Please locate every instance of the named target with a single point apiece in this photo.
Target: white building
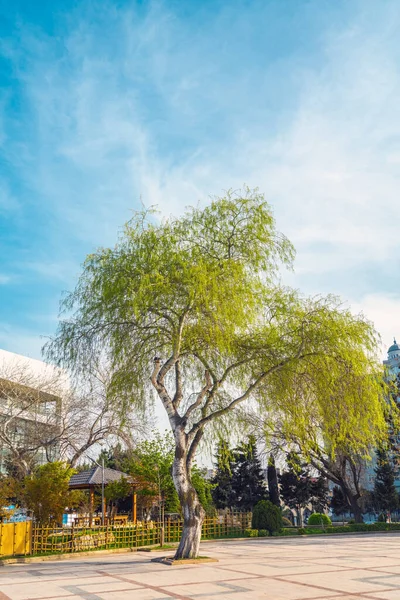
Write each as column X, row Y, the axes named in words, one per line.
column 30, row 409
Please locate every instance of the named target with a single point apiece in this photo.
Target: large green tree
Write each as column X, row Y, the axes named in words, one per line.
column 222, row 480
column 248, row 481
column 195, row 306
column 299, row 488
column 385, row 495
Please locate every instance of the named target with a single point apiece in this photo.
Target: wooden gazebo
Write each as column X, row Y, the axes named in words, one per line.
column 93, row 480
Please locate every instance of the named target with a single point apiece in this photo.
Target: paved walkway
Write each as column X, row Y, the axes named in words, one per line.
column 342, row 568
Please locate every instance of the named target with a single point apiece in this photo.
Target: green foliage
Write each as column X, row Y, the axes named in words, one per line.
column 339, row 503
column 46, row 492
column 301, row 531
column 286, row 522
column 120, row 489
column 251, row 532
column 202, row 295
column 9, row 491
column 222, row 480
column 248, row 484
column 204, row 489
column 385, row 495
column 299, row 488
column 364, row 527
column 319, row 519
column 267, row 516
column 204, row 290
column 150, row 465
column 263, row 533
column 273, row 487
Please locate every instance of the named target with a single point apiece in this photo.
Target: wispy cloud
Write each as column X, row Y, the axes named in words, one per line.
column 172, row 103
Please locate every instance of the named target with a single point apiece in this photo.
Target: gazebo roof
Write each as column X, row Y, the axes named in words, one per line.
column 93, row 477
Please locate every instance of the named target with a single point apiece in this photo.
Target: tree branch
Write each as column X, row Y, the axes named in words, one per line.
column 200, row 397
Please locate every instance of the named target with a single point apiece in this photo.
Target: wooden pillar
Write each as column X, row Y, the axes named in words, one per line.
column 105, row 511
column 134, row 507
column 91, row 505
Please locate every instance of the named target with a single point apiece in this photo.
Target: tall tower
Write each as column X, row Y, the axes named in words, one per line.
column 393, row 360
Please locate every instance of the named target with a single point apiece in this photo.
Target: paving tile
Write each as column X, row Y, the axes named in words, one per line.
column 360, row 580
column 283, row 569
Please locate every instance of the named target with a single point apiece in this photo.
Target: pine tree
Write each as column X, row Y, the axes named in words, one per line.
column 222, row 480
column 385, row 495
column 248, row 483
column 299, row 488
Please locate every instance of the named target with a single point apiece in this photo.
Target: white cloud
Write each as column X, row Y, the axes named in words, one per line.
column 383, row 311
column 330, row 169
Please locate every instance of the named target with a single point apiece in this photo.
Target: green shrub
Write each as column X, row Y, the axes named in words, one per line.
column 338, row 529
column 350, row 522
column 292, row 531
column 301, row 531
column 319, row 519
column 315, row 530
column 251, row 532
column 267, row 516
column 286, row 522
column 263, row 533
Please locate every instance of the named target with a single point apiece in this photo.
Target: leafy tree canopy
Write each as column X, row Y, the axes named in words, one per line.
column 46, row 492
column 150, row 464
column 202, row 290
column 195, row 305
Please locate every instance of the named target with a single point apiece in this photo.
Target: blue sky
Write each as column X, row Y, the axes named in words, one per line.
column 105, row 104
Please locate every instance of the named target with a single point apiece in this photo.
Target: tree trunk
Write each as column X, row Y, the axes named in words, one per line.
column 353, row 501
column 299, row 517
column 356, row 510
column 193, row 512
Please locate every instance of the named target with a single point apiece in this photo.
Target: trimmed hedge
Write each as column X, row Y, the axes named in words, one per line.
column 263, row 533
column 319, row 519
column 251, row 532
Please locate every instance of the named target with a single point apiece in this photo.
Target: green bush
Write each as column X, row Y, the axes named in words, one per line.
column 315, row 530
column 286, row 522
column 301, row 531
column 292, row 531
column 251, row 532
column 319, row 519
column 267, row 516
column 263, row 533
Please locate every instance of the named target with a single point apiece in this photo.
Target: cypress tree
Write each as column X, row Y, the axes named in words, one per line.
column 273, row 487
column 222, row 480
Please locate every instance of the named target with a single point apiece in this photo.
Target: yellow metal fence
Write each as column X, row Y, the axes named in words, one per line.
column 51, row 539
column 15, row 539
